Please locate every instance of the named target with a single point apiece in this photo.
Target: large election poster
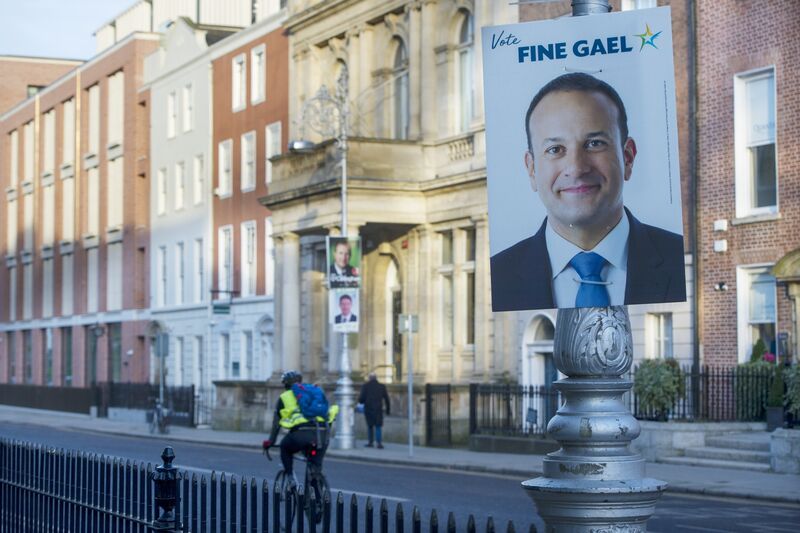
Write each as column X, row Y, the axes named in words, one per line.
column 582, row 162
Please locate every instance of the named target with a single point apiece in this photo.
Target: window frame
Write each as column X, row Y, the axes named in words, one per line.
column 239, row 82
column 225, row 155
column 247, row 154
column 744, row 274
column 258, row 74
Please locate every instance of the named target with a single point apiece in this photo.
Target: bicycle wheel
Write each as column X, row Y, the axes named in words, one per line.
column 287, row 488
column 318, row 486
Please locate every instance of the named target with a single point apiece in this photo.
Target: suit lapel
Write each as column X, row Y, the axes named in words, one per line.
column 534, row 275
column 647, row 281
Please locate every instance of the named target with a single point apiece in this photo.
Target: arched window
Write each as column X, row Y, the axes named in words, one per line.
column 466, row 85
column 400, row 74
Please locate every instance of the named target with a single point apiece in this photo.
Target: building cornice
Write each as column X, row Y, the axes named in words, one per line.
column 47, row 60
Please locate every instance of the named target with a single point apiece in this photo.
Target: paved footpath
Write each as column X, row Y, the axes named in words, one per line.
column 687, row 479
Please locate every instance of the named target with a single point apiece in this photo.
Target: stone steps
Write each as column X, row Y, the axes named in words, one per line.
column 728, row 454
column 759, row 444
column 715, row 463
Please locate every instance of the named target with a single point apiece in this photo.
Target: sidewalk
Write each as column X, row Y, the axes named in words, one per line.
column 686, row 479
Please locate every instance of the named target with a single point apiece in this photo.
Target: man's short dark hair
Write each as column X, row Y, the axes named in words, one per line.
column 578, row 81
column 345, row 297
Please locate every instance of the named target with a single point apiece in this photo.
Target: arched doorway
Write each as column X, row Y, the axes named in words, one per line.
column 539, row 372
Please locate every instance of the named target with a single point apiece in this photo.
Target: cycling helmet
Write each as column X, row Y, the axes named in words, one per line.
column 290, row 377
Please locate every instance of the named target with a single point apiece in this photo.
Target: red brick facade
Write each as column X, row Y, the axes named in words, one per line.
column 19, row 73
column 735, row 37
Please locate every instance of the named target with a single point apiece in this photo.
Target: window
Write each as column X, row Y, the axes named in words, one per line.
column 179, row 274
column 469, row 272
column 198, row 362
column 27, row 151
column 269, row 255
column 47, row 356
column 66, row 356
column 273, row 147
column 188, row 107
column 225, row 148
column 248, row 272
column 11, row 225
column 49, row 147
column 239, row 82
column 448, row 296
column 225, row 353
column 466, row 87
column 14, row 157
column 180, row 186
column 48, row 214
column 754, row 133
column 11, row 352
column 94, row 119
column 28, row 221
column 172, row 114
column 27, row 356
column 93, row 201
column 116, row 108
column 68, row 132
column 67, row 283
column 114, row 276
column 248, row 158
column 628, row 5
column 47, row 287
column 33, row 89
column 161, row 269
column 161, row 191
column 400, row 74
column 756, row 309
column 247, row 347
column 115, row 352
column 199, row 271
column 225, row 281
column 68, row 210
column 12, row 293
column 658, row 332
column 198, row 187
column 115, row 205
column 92, row 279
column 27, row 291
column 179, row 354
column 258, row 77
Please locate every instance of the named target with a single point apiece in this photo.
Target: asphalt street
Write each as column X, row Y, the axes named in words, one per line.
column 481, row 495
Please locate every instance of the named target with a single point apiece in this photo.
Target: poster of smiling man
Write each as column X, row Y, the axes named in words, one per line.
column 344, row 262
column 343, row 310
column 582, row 162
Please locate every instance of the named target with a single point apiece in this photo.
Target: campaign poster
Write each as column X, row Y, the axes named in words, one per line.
column 343, row 309
column 344, row 262
column 582, row 162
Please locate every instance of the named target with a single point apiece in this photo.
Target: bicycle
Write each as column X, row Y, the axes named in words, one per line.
column 159, row 419
column 315, row 483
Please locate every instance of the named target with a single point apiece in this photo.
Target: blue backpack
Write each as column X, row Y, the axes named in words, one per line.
column 311, row 399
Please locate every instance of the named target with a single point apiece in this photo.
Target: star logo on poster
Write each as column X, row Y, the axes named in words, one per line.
column 648, row 37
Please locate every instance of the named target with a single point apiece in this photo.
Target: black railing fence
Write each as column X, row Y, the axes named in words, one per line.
column 505, row 409
column 51, row 489
column 715, row 394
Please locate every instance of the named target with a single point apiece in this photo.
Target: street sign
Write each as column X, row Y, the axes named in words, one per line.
column 408, row 323
column 221, row 308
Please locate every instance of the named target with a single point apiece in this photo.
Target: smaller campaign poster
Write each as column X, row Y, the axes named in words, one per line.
column 343, row 306
column 344, row 262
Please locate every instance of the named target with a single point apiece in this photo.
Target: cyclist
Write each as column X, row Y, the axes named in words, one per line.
column 304, row 434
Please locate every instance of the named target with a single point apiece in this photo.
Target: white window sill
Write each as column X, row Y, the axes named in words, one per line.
column 752, row 219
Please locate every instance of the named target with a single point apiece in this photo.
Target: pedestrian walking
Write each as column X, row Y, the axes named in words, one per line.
column 373, row 395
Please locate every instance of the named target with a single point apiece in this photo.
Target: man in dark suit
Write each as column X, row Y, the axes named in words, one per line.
column 590, row 251
column 345, row 306
column 341, row 261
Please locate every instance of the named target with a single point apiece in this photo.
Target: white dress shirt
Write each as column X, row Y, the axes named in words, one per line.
column 566, row 281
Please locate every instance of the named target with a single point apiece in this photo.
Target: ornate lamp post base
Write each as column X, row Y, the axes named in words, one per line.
column 345, row 397
column 595, row 483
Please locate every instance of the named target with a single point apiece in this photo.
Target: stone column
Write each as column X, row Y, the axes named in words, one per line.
column 415, row 54
column 595, row 482
column 428, row 83
column 289, row 288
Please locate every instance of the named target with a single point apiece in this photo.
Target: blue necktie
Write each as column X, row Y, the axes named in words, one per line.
column 589, row 266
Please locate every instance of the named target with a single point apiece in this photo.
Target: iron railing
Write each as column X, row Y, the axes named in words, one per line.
column 52, row 489
column 511, row 410
column 716, row 394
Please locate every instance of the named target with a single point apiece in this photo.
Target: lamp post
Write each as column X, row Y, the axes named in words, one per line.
column 595, row 482
column 327, row 113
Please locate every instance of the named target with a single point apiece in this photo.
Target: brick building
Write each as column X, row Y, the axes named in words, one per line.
column 25, row 76
column 748, row 170
column 75, row 240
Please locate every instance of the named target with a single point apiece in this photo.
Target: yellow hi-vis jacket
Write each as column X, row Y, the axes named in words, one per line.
column 291, row 415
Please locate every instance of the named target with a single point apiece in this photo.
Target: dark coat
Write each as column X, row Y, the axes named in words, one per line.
column 373, row 393
column 521, row 277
